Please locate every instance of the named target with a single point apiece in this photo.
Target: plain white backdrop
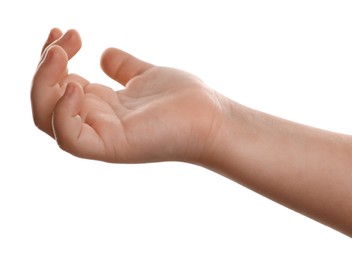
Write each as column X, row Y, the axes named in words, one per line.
column 292, row 59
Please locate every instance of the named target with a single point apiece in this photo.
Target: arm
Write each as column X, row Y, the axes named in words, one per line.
column 165, row 114
column 306, row 169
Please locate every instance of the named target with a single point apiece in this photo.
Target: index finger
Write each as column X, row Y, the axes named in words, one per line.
column 54, row 35
column 70, row 42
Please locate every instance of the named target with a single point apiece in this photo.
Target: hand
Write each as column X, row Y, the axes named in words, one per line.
column 166, row 114
column 162, row 114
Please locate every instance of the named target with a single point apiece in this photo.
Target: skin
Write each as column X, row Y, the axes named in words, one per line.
column 164, row 114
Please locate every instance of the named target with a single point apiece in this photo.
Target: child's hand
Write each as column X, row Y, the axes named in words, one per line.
column 162, row 114
column 166, row 114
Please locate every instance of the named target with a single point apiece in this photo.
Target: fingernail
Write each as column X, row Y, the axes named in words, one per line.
column 67, row 35
column 50, row 53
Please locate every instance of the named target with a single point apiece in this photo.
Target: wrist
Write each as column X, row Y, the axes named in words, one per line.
column 237, row 144
column 228, row 127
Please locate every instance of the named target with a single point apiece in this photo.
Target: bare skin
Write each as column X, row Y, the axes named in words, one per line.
column 164, row 114
column 136, row 124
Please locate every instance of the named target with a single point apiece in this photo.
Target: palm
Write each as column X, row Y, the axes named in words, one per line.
column 150, row 120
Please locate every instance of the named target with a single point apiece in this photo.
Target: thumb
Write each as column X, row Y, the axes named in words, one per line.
column 122, row 66
column 72, row 134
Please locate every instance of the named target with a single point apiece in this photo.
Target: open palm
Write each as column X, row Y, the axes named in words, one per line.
column 162, row 114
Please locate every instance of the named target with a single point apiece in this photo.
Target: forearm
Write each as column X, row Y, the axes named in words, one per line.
column 306, row 169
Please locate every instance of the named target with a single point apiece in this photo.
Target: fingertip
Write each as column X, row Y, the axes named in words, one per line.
column 105, row 57
column 56, row 53
column 72, row 42
column 73, row 32
column 72, row 35
column 54, row 62
column 51, row 67
column 55, row 33
column 109, row 50
column 122, row 66
column 73, row 91
column 109, row 61
column 69, row 90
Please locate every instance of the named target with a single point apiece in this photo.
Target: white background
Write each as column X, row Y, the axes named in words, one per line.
column 292, row 59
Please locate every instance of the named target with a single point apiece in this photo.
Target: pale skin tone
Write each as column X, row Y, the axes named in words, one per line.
column 164, row 114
